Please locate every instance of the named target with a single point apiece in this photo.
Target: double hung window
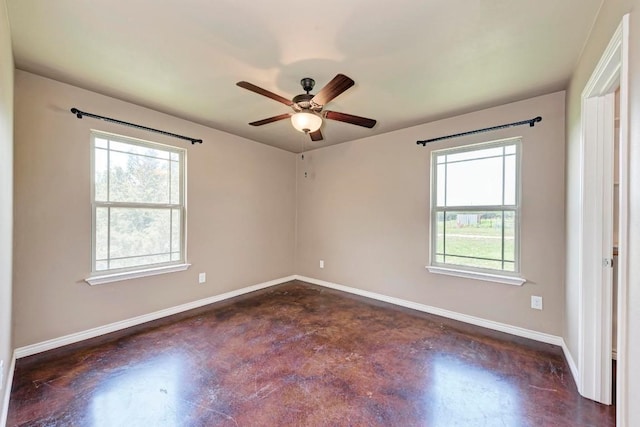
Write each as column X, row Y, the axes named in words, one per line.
column 476, row 207
column 138, row 204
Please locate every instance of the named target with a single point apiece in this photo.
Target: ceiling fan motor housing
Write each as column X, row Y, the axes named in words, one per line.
column 307, row 84
column 303, row 102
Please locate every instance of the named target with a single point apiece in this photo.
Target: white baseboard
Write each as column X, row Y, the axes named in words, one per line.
column 490, row 324
column 572, row 364
column 113, row 327
column 7, row 391
column 123, row 324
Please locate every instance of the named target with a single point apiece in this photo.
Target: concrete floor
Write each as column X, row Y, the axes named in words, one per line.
column 301, row 355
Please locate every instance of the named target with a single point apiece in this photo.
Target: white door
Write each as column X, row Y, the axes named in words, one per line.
column 596, row 226
column 597, row 246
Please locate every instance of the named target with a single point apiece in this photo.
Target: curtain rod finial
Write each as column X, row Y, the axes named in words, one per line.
column 77, row 112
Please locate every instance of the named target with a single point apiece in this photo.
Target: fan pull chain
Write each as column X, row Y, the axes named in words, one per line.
column 302, row 153
column 305, row 172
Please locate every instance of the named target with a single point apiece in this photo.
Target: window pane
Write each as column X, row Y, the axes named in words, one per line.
column 175, row 230
column 138, row 179
column 466, row 242
column 175, row 183
column 440, row 230
column 102, row 233
column 101, row 143
column 475, row 239
column 139, row 261
column 440, row 193
column 509, row 266
column 510, row 180
column 475, row 154
column 474, row 183
column 139, row 232
column 101, row 175
column 509, row 235
column 139, row 149
column 475, row 263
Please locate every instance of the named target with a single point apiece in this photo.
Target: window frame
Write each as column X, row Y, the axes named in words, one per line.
column 117, row 274
column 494, row 275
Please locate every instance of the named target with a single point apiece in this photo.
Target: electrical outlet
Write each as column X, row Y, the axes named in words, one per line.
column 536, row 302
column 202, row 277
column 321, row 263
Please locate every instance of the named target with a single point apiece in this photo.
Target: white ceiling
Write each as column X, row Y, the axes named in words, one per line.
column 413, row 61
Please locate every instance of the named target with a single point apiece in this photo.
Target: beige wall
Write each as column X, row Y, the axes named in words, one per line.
column 6, row 191
column 607, row 22
column 240, row 213
column 364, row 209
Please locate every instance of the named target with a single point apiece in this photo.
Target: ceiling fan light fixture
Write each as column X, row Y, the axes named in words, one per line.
column 306, row 122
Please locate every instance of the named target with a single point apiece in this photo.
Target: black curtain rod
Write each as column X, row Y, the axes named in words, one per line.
column 530, row 122
column 79, row 114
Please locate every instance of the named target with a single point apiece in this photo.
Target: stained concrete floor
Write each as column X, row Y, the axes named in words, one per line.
column 301, row 355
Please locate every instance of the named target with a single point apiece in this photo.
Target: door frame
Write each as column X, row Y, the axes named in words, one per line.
column 596, row 185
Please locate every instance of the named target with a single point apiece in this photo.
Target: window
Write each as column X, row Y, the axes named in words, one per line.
column 138, row 204
column 476, row 208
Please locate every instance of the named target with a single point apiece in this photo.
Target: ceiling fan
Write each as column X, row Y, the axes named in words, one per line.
column 307, row 108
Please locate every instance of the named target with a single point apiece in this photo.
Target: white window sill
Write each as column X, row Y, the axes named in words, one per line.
column 116, row 277
column 508, row 280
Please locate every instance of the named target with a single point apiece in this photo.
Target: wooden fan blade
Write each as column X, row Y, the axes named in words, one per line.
column 270, row 119
column 335, row 87
column 316, row 136
column 264, row 92
column 350, row 118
